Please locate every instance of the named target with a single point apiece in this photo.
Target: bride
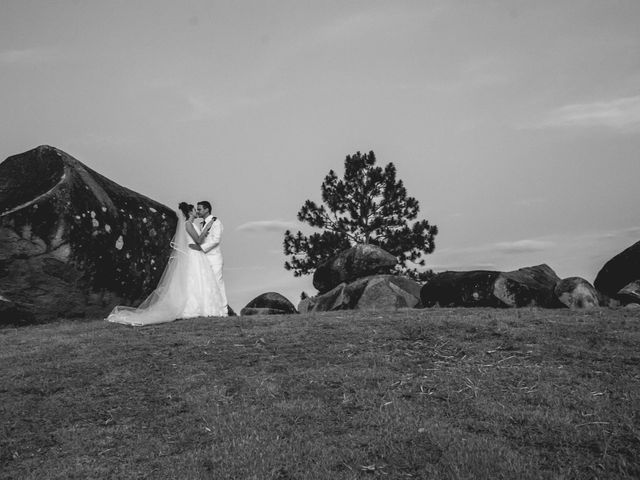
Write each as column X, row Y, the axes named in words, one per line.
column 188, row 287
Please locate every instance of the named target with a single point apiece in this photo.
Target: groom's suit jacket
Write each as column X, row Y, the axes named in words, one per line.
column 211, row 243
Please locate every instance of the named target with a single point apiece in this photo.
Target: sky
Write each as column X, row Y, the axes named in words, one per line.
column 515, row 124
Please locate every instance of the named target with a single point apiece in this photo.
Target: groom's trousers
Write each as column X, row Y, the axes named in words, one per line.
column 216, row 266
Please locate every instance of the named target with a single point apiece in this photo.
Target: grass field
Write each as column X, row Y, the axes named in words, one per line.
column 439, row 393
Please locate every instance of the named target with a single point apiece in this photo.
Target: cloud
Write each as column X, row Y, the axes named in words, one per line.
column 617, row 114
column 490, row 256
column 278, row 226
column 28, row 56
column 523, row 246
column 517, row 246
column 622, row 233
column 462, row 266
column 569, row 254
column 631, row 232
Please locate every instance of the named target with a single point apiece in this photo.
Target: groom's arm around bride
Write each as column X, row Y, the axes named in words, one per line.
column 211, row 244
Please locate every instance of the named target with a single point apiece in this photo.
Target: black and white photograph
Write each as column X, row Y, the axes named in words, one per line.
column 319, row 239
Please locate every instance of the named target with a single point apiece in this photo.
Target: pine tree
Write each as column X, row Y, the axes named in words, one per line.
column 367, row 206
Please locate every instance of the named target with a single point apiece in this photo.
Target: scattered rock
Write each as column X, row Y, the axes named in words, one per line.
column 620, row 271
column 461, row 289
column 270, row 303
column 389, row 292
column 351, row 264
column 530, row 286
column 630, row 293
column 72, row 242
column 576, row 292
column 375, row 292
column 13, row 314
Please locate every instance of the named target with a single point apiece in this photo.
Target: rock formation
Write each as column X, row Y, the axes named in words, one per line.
column 270, row 303
column 576, row 292
column 630, row 293
column 461, row 289
column 620, row 271
column 527, row 287
column 12, row 314
column 74, row 243
column 351, row 264
column 530, row 286
column 375, row 292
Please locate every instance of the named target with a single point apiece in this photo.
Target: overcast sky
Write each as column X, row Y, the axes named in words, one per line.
column 516, row 124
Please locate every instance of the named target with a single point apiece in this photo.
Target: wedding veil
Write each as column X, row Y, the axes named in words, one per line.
column 167, row 302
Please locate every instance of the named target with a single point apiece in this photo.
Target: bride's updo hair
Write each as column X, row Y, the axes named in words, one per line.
column 185, row 208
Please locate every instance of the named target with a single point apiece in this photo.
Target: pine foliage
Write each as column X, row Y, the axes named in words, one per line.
column 369, row 205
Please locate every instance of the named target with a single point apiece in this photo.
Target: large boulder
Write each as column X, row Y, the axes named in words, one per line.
column 620, row 271
column 351, row 264
column 461, row 289
column 375, row 292
column 74, row 243
column 269, row 303
column 576, row 292
column 13, row 314
column 630, row 293
column 530, row 286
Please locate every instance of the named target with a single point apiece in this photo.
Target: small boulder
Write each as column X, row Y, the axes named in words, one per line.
column 576, row 293
column 351, row 264
column 269, row 303
column 620, row 271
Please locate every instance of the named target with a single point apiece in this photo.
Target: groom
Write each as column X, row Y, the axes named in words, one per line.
column 211, row 244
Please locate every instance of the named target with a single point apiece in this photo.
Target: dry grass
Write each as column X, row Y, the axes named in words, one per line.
column 441, row 393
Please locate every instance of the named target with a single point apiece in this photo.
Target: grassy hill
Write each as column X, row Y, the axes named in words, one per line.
column 440, row 393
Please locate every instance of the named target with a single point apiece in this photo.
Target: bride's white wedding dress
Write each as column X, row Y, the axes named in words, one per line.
column 188, row 288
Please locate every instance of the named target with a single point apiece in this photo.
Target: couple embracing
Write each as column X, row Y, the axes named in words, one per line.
column 191, row 284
